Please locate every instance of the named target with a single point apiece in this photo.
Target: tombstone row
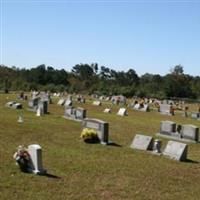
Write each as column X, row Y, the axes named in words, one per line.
column 181, row 132
column 174, row 150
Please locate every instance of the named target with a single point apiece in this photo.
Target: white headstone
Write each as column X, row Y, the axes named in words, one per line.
column 61, row 102
column 142, row 142
column 68, row 102
column 176, row 150
column 96, row 103
column 35, row 152
column 122, row 112
column 39, row 111
column 107, row 110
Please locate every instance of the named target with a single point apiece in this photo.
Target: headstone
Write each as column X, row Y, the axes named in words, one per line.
column 68, row 102
column 35, row 152
column 166, row 109
column 17, row 106
column 107, row 110
column 44, row 106
column 100, row 126
column 77, row 114
column 176, row 150
column 190, row 132
column 61, row 102
column 96, row 103
column 195, row 115
column 33, row 103
column 122, row 112
column 167, row 127
column 142, row 142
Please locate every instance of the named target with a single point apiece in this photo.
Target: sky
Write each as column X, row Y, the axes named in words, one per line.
column 147, row 36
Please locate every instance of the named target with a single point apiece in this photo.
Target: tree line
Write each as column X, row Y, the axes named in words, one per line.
column 91, row 78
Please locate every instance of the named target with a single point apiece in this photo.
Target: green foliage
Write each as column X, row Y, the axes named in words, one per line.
column 89, row 78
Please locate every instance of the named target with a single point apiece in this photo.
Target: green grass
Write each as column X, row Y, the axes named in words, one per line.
column 93, row 171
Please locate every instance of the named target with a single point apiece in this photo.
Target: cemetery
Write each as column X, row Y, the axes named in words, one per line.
column 66, row 152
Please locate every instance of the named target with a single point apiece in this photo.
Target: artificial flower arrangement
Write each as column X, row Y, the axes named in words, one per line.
column 89, row 135
column 22, row 158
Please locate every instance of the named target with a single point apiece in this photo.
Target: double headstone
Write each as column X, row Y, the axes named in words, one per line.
column 180, row 132
column 68, row 102
column 14, row 105
column 144, row 107
column 77, row 114
column 100, row 126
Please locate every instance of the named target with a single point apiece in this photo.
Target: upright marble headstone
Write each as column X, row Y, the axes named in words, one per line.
column 189, row 131
column 142, row 142
column 35, row 152
column 100, row 126
column 122, row 112
column 176, row 150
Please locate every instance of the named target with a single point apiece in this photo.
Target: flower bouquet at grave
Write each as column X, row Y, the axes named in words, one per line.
column 89, row 135
column 22, row 158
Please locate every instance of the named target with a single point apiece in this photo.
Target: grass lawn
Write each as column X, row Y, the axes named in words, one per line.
column 93, row 171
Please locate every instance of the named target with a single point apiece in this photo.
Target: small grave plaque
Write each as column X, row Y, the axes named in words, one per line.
column 176, row 150
column 68, row 102
column 142, row 142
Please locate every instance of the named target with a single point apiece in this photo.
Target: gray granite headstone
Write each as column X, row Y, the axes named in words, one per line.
column 100, row 126
column 165, row 109
column 167, row 127
column 142, row 142
column 176, row 150
column 190, row 132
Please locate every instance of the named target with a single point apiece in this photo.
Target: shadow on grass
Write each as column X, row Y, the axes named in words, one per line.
column 50, row 176
column 191, row 161
column 114, row 144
